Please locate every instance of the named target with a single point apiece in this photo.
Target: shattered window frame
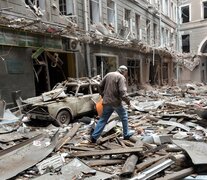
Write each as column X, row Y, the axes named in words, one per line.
column 185, row 16
column 37, row 3
column 105, row 65
column 34, row 2
column 127, row 18
column 133, row 65
column 95, row 11
column 68, row 9
column 111, row 13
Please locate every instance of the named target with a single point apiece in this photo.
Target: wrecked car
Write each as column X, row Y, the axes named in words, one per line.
column 67, row 100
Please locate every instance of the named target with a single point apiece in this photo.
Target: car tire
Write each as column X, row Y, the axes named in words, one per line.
column 63, row 118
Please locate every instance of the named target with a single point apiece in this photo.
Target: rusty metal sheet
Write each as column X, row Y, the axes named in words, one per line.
column 24, row 155
column 196, row 150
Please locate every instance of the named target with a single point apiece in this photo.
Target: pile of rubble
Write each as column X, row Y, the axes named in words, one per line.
column 169, row 142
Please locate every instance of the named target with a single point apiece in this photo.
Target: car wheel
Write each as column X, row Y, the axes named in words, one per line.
column 63, row 117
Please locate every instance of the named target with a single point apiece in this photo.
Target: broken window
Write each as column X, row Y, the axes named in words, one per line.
column 95, row 88
column 104, row 64
column 94, row 11
column 185, row 14
column 111, row 13
column 186, row 43
column 127, row 18
column 148, row 31
column 84, row 89
column 137, row 22
column 205, row 9
column 67, row 7
column 32, row 2
column 155, row 34
column 36, row 6
column 133, row 71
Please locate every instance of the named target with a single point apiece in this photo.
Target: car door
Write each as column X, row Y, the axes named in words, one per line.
column 84, row 99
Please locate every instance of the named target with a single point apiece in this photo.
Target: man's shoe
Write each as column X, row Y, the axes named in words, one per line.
column 131, row 133
column 93, row 140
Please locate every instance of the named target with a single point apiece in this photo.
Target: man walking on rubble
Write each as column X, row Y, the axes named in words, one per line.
column 113, row 90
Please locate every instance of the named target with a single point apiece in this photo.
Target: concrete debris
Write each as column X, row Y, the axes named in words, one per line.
column 169, row 141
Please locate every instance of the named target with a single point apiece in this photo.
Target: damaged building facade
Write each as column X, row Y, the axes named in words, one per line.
column 193, row 39
column 44, row 42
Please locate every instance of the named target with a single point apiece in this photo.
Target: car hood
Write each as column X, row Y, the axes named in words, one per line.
column 46, row 97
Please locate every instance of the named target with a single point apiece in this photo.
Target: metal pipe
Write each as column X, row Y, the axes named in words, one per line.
column 87, row 48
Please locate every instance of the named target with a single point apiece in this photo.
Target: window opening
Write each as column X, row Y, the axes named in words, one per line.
column 94, row 11
column 137, row 21
column 148, row 30
column 111, row 12
column 186, row 43
column 155, row 33
column 185, row 15
column 104, row 64
column 133, row 72
column 205, row 9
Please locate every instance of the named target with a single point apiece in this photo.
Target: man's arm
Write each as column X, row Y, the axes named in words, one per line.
column 123, row 90
column 101, row 87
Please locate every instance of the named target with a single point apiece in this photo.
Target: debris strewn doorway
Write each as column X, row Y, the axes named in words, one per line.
column 51, row 68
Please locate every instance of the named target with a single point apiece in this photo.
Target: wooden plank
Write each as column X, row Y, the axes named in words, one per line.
column 107, row 138
column 149, row 162
column 68, row 136
column 80, row 148
column 101, row 162
column 130, row 164
column 107, row 152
